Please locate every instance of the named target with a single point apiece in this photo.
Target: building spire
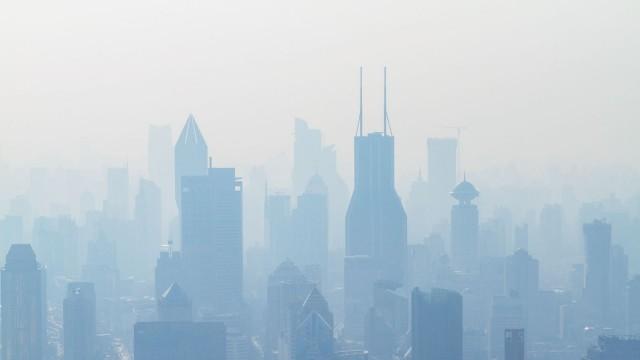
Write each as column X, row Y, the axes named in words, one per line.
column 359, row 130
column 386, row 114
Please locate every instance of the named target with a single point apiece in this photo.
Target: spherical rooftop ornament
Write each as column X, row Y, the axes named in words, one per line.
column 465, row 191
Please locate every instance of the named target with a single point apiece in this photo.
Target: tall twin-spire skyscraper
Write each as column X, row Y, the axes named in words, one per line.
column 376, row 223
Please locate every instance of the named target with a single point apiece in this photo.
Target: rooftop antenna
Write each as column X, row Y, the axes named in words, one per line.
column 359, row 130
column 210, row 162
column 386, row 114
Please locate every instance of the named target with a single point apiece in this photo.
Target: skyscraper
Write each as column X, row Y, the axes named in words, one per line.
column 311, row 227
column 464, row 225
column 171, row 340
column 311, row 332
column 506, row 313
column 436, row 325
column 376, row 223
column 633, row 310
column 418, row 211
column 79, row 313
column 521, row 237
column 160, row 156
column 442, row 175
column 116, row 206
column 307, row 154
column 311, row 157
column 169, row 270
column 514, row 344
column 190, row 155
column 278, row 230
column 597, row 250
column 24, row 309
column 522, row 276
column 212, row 239
column 148, row 227
column 287, row 288
column 175, row 305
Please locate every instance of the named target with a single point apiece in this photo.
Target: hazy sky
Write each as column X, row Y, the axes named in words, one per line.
column 535, row 83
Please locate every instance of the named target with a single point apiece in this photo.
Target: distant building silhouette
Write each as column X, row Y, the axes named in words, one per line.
column 436, row 325
column 148, row 228
column 55, row 239
column 618, row 278
column 278, row 228
column 116, row 206
column 615, row 348
column 633, row 310
column 597, row 250
column 514, row 348
column 376, row 223
column 442, row 154
column 160, row 157
column 172, row 340
column 464, row 225
column 190, row 155
column 311, row 157
column 311, row 228
column 418, row 211
column 522, row 273
column 212, row 239
column 79, row 314
column 24, row 305
column 521, row 237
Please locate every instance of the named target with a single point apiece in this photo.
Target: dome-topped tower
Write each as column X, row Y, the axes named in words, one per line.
column 465, row 192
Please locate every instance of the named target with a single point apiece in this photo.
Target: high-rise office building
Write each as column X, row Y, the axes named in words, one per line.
column 11, row 232
column 418, row 211
column 287, row 288
column 175, row 305
column 311, row 227
column 212, row 239
column 190, row 155
column 464, row 225
column 618, row 280
column 597, row 250
column 522, row 276
column 311, row 157
column 615, row 348
column 172, row 340
column 56, row 241
column 521, row 237
column 514, row 344
column 307, row 154
column 551, row 228
column 148, row 228
column 633, row 310
column 311, row 332
column 169, row 270
column 79, row 322
column 376, row 223
column 278, row 228
column 442, row 166
column 24, row 308
column 436, row 325
column 160, row 157
column 116, row 205
column 507, row 312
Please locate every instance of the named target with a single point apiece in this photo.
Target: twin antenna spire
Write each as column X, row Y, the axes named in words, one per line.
column 386, row 124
